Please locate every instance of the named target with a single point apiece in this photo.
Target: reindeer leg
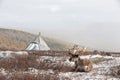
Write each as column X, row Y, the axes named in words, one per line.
column 76, row 69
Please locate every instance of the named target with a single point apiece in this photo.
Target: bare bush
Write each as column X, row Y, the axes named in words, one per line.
column 48, row 53
column 54, row 66
column 20, row 62
column 23, row 62
column 2, row 77
column 28, row 76
column 115, row 71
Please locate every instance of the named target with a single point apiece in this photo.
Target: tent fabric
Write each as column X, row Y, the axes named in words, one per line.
column 38, row 44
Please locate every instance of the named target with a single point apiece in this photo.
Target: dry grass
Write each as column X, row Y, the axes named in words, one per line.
column 18, row 67
column 28, row 76
column 115, row 71
column 11, row 43
column 2, row 77
column 49, row 53
column 23, row 62
column 18, row 62
column 55, row 66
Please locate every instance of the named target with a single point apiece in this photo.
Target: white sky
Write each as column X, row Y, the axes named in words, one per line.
column 93, row 23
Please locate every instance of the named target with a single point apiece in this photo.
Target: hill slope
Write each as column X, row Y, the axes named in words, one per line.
column 18, row 40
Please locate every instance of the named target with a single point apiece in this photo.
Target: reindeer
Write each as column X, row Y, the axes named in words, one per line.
column 82, row 65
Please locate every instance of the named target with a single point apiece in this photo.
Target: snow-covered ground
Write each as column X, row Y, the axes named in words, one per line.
column 10, row 53
column 96, row 56
column 101, row 70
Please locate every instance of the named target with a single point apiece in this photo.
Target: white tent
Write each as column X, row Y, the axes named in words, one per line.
column 38, row 44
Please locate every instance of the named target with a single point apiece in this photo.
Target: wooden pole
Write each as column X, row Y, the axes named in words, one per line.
column 39, row 39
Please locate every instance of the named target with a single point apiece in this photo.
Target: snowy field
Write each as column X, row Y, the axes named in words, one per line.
column 101, row 70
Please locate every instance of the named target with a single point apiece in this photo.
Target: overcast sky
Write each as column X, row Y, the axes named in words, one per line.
column 93, row 23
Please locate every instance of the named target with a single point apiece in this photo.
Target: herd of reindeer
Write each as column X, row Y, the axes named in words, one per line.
column 81, row 65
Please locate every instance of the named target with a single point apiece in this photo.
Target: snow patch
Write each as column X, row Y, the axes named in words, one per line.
column 10, row 53
column 3, row 71
column 96, row 56
column 68, row 63
column 36, row 71
column 84, row 76
column 91, row 56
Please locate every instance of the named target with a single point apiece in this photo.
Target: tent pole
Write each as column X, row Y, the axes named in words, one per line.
column 39, row 39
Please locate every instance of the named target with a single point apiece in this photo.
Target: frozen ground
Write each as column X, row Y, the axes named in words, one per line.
column 101, row 70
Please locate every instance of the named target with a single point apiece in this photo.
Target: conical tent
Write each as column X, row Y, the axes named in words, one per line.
column 38, row 44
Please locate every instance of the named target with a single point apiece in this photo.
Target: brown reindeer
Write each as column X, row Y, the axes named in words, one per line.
column 84, row 65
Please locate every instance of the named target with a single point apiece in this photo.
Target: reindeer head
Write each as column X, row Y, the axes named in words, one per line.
column 74, row 58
